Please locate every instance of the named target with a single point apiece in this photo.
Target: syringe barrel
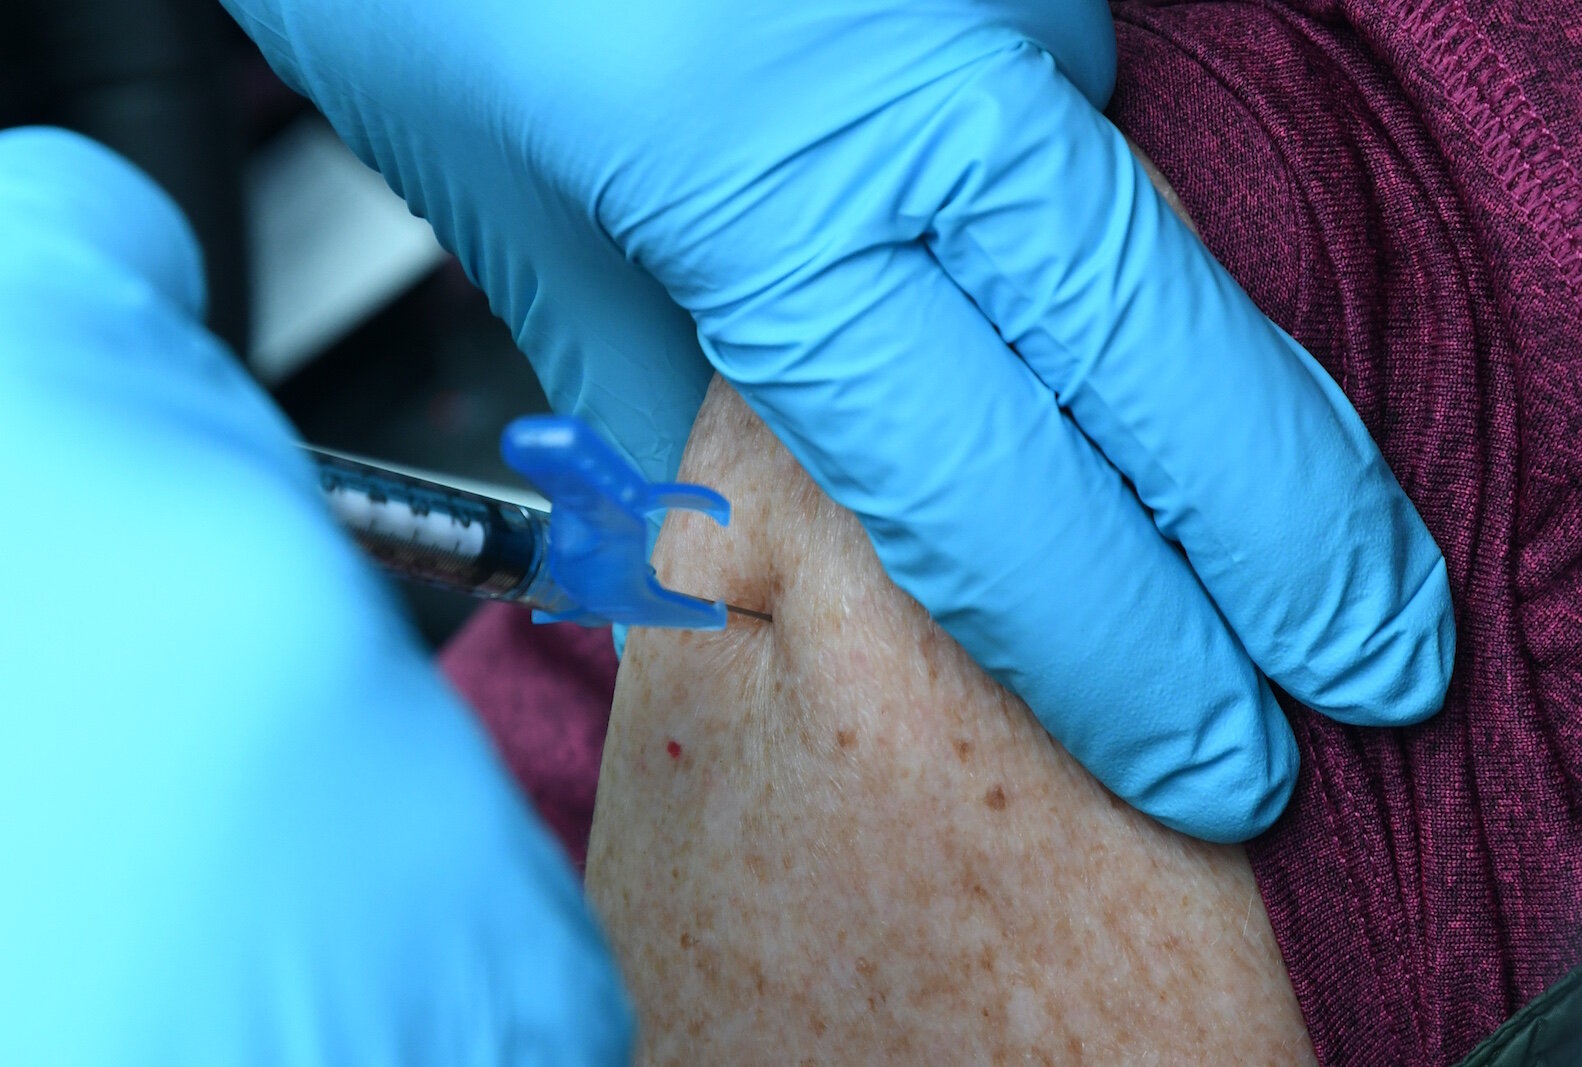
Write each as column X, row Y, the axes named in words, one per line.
column 440, row 535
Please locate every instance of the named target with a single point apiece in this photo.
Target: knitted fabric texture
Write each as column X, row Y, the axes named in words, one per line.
column 1396, row 184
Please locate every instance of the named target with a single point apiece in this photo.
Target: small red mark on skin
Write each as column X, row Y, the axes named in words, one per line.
column 674, row 748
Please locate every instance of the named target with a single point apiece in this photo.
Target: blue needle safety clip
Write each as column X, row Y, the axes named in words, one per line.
column 598, row 526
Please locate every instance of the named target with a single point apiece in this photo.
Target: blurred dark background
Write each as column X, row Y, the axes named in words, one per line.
column 341, row 303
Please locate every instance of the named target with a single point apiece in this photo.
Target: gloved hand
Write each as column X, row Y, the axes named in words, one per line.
column 907, row 235
column 242, row 819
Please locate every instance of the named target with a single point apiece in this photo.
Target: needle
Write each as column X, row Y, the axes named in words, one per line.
column 749, row 612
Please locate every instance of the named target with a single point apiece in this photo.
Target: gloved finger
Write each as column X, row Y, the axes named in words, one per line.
column 251, row 823
column 1078, row 34
column 1245, row 451
column 607, row 342
column 987, row 504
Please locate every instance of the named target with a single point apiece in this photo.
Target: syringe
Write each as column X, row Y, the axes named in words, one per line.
column 584, row 560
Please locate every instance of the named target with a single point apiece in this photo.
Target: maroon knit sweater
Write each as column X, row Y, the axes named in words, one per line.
column 1397, row 185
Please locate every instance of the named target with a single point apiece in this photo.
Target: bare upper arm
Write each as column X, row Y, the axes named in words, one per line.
column 833, row 839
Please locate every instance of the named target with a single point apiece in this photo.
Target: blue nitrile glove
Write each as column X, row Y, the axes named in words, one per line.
column 858, row 206
column 242, row 819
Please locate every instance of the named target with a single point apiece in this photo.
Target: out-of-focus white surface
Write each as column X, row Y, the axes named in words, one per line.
column 330, row 246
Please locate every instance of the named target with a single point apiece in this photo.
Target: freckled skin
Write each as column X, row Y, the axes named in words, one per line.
column 872, row 853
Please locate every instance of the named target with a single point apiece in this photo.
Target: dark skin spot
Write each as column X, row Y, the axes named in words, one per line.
column 687, row 940
column 866, row 967
column 933, row 649
column 819, row 1025
column 845, row 738
column 995, row 799
column 963, row 749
